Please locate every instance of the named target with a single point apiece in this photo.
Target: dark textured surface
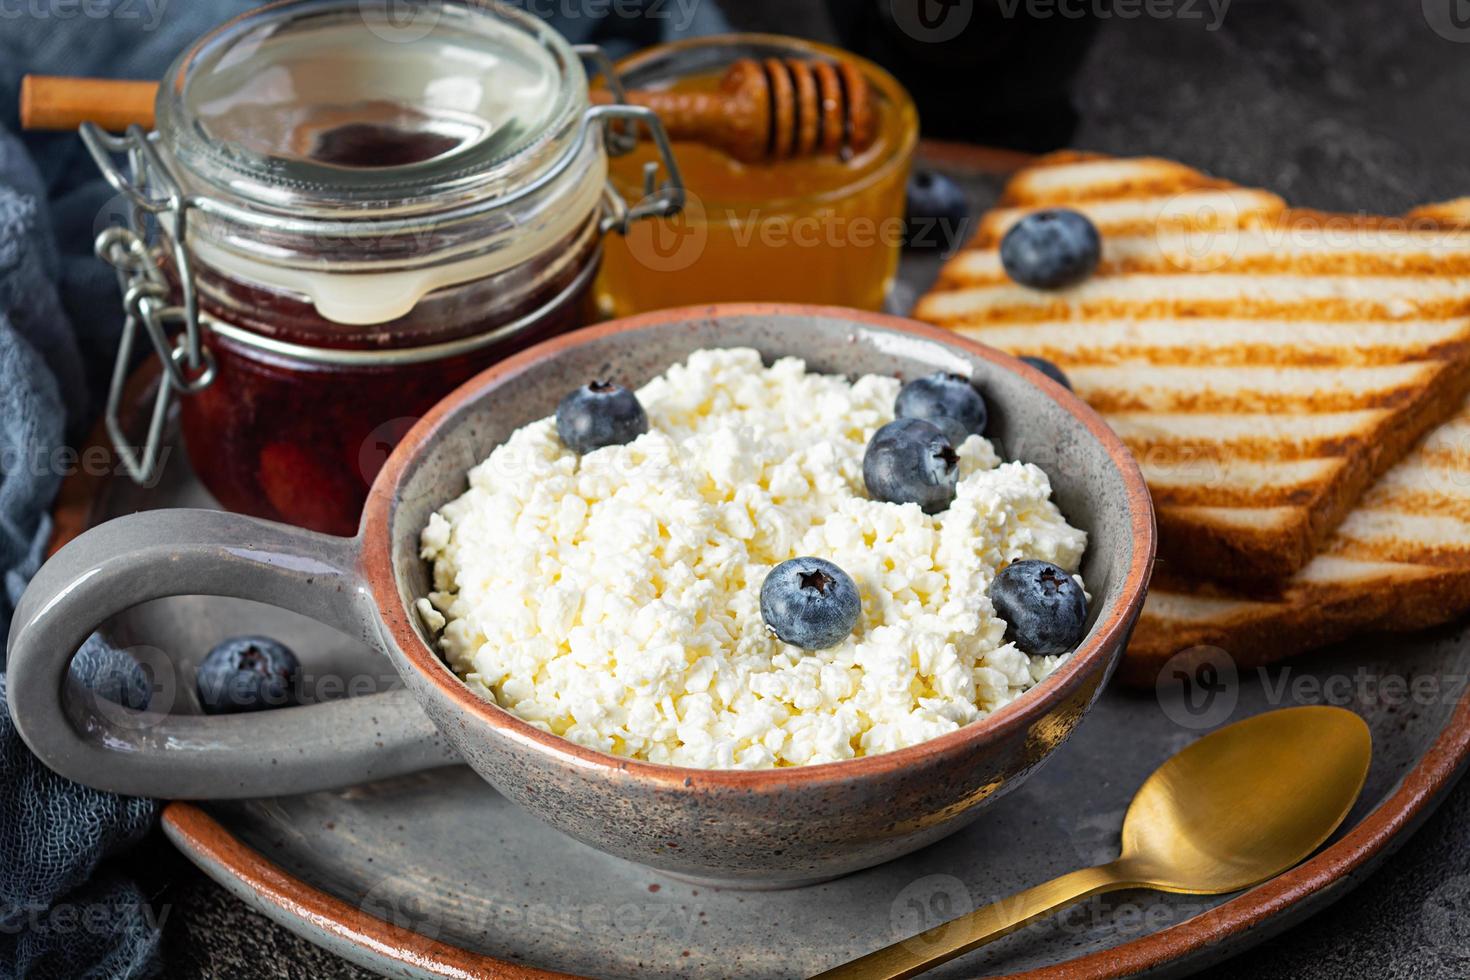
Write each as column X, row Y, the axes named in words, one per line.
column 1350, row 105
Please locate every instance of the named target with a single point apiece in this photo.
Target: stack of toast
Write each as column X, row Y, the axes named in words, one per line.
column 1293, row 384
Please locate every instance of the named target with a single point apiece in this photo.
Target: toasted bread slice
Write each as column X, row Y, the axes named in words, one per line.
column 1399, row 561
column 1265, row 364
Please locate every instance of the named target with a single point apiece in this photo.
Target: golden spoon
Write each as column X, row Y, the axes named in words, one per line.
column 1236, row 807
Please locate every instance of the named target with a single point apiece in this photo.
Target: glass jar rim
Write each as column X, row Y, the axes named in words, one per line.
column 881, row 79
column 243, row 177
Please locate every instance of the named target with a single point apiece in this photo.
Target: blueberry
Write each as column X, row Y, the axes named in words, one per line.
column 1050, row 370
column 247, row 673
column 1044, row 607
column 599, row 414
column 909, row 461
column 810, row 603
column 936, row 210
column 947, row 400
column 1050, row 249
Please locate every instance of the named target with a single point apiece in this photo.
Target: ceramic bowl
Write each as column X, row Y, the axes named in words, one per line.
column 762, row 828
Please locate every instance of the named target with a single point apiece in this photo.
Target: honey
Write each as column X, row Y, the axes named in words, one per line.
column 819, row 229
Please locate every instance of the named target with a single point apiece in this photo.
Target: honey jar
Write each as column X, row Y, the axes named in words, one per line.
column 342, row 215
column 817, row 228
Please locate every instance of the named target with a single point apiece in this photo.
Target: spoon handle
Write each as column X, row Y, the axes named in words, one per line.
column 912, row 956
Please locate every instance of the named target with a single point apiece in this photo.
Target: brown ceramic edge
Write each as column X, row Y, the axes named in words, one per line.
column 991, row 161
column 1418, row 791
column 1107, row 634
column 197, row 833
column 207, row 840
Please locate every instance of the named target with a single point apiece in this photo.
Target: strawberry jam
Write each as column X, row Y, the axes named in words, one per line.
column 281, row 437
column 348, row 217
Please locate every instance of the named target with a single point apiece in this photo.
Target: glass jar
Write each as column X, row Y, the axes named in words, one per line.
column 343, row 214
column 816, row 230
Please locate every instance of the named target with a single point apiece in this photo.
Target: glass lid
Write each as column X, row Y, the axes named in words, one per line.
column 357, row 103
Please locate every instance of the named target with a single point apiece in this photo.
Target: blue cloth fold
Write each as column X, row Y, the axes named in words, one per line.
column 55, row 921
column 63, row 915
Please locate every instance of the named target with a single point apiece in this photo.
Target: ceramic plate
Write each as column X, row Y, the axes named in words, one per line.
column 437, row 875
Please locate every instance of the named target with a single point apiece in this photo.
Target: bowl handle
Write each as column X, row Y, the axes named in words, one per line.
column 154, row 554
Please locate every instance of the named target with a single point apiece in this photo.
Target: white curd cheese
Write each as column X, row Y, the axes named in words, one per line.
column 614, row 598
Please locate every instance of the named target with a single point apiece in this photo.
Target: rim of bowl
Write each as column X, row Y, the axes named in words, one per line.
column 1108, row 636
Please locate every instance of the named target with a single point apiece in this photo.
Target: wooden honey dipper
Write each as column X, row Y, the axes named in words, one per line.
column 775, row 109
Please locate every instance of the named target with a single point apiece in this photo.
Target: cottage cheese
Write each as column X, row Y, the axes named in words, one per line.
column 614, row 599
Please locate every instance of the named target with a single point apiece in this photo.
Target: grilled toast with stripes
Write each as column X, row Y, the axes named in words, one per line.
column 1265, row 364
column 1399, row 561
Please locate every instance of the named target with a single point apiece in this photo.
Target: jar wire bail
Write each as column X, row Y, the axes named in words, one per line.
column 157, row 216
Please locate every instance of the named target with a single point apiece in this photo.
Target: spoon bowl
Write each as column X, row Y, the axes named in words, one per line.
column 1234, row 808
column 1247, row 802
